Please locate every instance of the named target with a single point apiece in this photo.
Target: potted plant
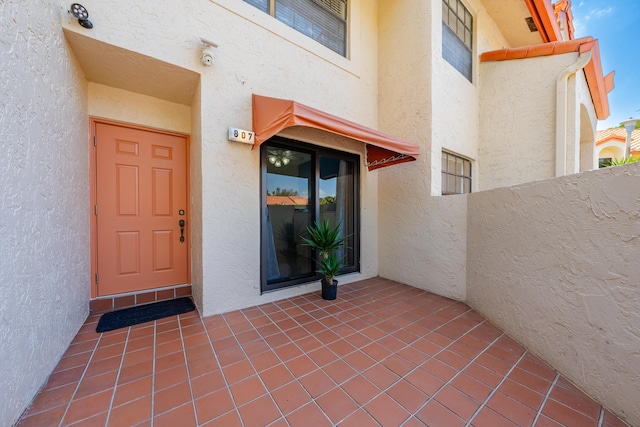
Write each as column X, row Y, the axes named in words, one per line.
column 326, row 240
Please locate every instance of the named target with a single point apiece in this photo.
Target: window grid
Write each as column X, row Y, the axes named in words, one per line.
column 456, row 174
column 325, row 21
column 457, row 36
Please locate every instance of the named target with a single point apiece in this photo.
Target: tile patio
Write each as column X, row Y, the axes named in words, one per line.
column 382, row 354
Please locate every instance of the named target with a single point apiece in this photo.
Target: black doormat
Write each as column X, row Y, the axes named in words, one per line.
column 144, row 313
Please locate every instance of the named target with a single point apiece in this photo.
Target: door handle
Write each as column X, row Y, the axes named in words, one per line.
column 181, row 223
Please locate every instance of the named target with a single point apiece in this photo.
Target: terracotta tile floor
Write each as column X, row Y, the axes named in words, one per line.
column 382, row 354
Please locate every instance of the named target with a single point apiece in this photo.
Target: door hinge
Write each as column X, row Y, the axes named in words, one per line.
column 95, row 209
column 96, row 277
column 95, row 142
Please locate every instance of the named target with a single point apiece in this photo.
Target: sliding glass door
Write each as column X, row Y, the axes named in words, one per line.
column 301, row 183
column 337, row 200
column 289, row 210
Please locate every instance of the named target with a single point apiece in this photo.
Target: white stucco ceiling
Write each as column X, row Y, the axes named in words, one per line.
column 124, row 69
column 510, row 17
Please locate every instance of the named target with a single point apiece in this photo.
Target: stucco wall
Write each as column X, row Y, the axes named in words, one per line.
column 587, row 135
column 555, row 265
column 427, row 101
column 269, row 59
column 458, row 108
column 457, row 103
column 275, row 61
column 44, row 250
column 581, row 126
column 195, row 181
column 124, row 106
column 518, row 120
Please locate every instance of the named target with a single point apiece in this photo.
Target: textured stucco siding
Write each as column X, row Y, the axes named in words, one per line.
column 44, row 220
column 129, row 107
column 195, row 185
column 394, row 80
column 458, row 108
column 585, row 124
column 269, row 59
column 518, row 120
column 427, row 101
column 555, row 265
column 274, row 61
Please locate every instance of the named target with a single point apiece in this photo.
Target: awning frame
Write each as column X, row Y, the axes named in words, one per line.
column 272, row 115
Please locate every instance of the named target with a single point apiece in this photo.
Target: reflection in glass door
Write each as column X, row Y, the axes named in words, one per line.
column 336, row 198
column 302, row 183
column 289, row 184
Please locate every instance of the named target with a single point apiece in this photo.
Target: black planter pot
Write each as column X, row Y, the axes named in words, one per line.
column 329, row 290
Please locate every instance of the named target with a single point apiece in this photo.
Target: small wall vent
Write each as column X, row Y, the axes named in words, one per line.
column 531, row 24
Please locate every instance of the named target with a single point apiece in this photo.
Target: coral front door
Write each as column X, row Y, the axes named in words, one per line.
column 141, row 204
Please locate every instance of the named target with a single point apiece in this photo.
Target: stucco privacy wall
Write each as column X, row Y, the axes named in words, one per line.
column 555, row 265
column 425, row 100
column 517, row 131
column 44, row 250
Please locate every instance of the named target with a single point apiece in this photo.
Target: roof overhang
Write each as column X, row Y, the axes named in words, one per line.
column 511, row 19
column 553, row 21
column 612, row 138
column 271, row 115
column 618, row 136
column 599, row 85
column 124, row 69
column 544, row 16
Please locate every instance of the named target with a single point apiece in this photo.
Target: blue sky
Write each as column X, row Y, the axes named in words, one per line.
column 616, row 25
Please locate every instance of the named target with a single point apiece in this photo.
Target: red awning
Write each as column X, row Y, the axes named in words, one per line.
column 271, row 115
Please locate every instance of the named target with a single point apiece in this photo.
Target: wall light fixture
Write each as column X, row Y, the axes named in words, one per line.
column 80, row 12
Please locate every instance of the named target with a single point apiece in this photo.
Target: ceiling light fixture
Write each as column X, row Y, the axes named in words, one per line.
column 279, row 158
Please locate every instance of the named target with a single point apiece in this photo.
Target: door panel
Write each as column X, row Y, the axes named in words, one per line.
column 289, row 184
column 302, row 183
column 141, row 186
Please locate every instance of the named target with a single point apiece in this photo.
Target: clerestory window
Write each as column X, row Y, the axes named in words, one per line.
column 325, row 21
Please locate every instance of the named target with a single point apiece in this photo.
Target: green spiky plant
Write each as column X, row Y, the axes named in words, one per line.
column 623, row 161
column 326, row 240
